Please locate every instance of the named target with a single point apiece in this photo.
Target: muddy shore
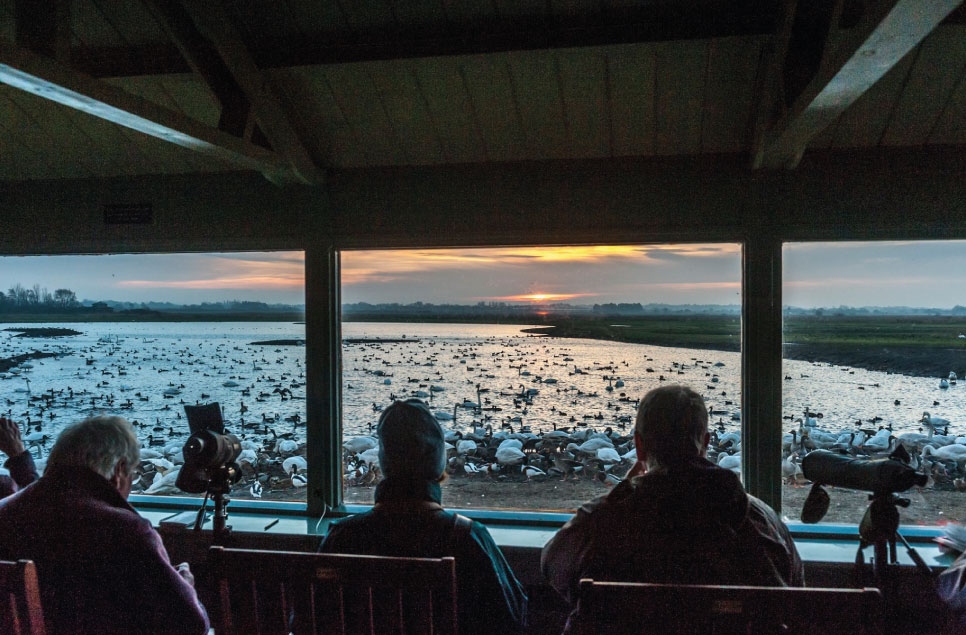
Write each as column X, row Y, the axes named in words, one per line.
column 928, row 506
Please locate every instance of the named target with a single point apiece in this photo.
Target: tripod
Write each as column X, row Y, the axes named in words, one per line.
column 880, row 528
column 219, row 485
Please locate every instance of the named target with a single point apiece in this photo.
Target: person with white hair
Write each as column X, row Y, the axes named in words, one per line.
column 102, row 567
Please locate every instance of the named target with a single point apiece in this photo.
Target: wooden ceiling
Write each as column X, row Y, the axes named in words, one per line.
column 292, row 88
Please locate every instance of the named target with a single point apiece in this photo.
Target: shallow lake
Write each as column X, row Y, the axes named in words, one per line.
column 148, row 371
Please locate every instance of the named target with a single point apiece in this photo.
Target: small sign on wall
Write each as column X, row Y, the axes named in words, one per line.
column 128, row 214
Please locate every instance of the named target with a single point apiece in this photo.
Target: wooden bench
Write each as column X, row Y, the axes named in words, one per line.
column 261, row 591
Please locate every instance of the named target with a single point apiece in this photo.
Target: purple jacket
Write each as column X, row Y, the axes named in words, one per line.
column 102, row 567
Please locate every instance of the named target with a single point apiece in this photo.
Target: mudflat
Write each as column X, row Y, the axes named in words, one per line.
column 928, row 506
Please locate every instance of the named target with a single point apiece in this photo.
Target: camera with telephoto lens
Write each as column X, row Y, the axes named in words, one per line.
column 209, row 453
column 880, row 476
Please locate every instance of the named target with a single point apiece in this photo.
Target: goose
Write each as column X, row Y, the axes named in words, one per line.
column 791, row 469
column 790, row 442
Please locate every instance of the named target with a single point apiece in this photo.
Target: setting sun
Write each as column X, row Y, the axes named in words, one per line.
column 541, row 297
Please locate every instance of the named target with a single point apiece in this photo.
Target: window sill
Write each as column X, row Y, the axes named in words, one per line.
column 821, row 543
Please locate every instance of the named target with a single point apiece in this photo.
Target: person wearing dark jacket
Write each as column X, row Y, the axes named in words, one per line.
column 408, row 520
column 19, row 462
column 676, row 518
column 102, row 567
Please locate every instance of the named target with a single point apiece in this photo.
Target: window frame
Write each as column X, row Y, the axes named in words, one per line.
column 761, row 359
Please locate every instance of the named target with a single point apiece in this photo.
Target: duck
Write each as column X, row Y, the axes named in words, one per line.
column 532, row 471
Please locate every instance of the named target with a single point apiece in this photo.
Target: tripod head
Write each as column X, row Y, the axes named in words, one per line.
column 881, row 519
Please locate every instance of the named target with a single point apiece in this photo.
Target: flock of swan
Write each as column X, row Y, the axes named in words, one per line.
column 514, row 407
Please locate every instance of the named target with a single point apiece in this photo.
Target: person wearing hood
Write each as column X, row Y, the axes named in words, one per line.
column 408, row 520
column 676, row 518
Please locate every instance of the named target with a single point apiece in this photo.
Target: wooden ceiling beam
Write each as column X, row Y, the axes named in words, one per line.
column 864, row 41
column 204, row 60
column 46, row 78
column 268, row 110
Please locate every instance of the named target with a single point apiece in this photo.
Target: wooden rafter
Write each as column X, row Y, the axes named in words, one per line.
column 51, row 80
column 268, row 111
column 204, row 60
column 851, row 61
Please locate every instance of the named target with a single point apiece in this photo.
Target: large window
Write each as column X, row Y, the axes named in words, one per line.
column 875, row 354
column 534, row 359
column 144, row 335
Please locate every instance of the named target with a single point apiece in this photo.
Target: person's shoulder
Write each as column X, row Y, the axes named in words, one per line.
column 763, row 509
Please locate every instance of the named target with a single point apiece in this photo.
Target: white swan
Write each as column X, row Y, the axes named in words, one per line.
column 360, row 444
column 879, row 441
column 953, row 452
column 509, row 455
column 933, row 422
column 730, row 462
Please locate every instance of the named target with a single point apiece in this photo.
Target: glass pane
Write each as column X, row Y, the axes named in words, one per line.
column 142, row 336
column 542, row 346
column 875, row 341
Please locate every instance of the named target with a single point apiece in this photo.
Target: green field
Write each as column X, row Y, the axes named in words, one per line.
column 724, row 332
column 718, row 332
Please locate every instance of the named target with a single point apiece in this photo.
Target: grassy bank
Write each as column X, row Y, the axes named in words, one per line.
column 924, row 346
column 718, row 332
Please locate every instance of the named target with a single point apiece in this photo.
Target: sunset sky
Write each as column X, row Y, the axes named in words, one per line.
column 921, row 274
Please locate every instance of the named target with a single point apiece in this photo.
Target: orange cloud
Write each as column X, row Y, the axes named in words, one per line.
column 367, row 266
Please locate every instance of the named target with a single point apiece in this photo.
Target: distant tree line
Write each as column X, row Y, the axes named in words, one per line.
column 366, row 310
column 37, row 299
